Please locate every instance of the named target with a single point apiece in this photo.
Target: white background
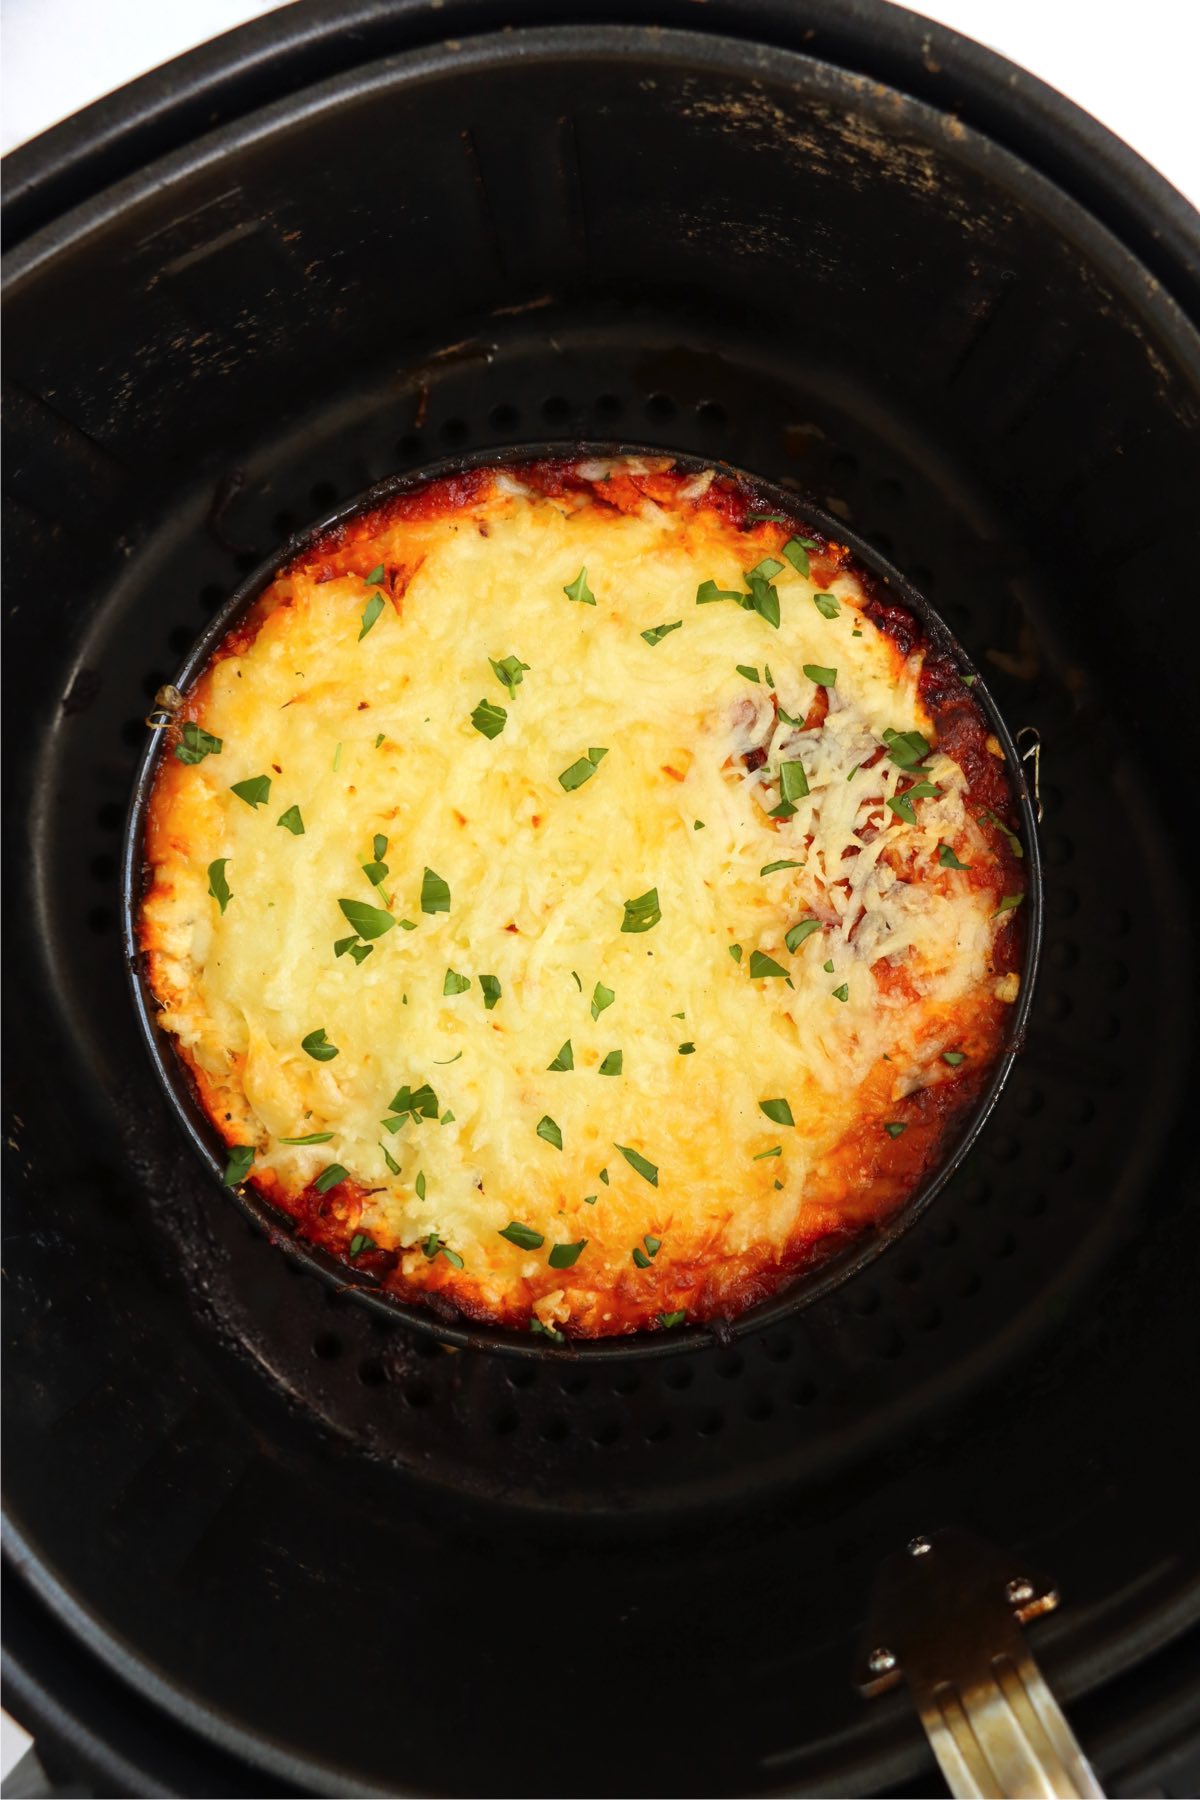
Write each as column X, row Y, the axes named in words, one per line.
column 1135, row 70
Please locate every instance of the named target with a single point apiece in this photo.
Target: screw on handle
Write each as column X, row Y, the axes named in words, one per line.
column 946, row 1617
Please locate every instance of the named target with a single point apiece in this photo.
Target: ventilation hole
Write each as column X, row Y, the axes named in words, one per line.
column 889, row 1344
column 609, row 406
column 1034, row 1206
column 245, row 560
column 660, row 406
column 428, row 1348
column 1114, row 975
column 606, row 1432
column 102, row 920
column 322, row 493
column 504, row 1423
column 409, row 446
column 710, row 1422
column 680, row 1377
column 555, row 1429
column 1004, row 1149
column 418, row 1393
column 1085, row 1109
column 1030, row 1101
column 555, row 409
column 886, row 546
column 927, row 1316
column 181, row 639
column 1004, row 1246
column 1059, row 1007
column 627, row 1383
column 111, row 815
column 522, row 1376
column 133, row 732
column 1063, row 901
column 454, row 431
column 327, row 1345
column 865, row 1301
column 575, row 1383
column 909, row 1273
column 889, row 487
column 803, row 1393
column 152, row 682
column 372, row 1372
column 1122, row 922
column 729, row 1365
column 922, row 577
column 1062, row 1160
column 760, row 1410
column 777, row 1348
column 967, row 1284
column 658, row 1432
column 844, row 462
column 283, row 524
column 946, row 1233
column 1059, row 849
column 1109, row 1028
column 103, row 867
column 503, row 418
column 210, row 597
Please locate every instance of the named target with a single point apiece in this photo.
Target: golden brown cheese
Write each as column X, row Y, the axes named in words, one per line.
column 577, row 919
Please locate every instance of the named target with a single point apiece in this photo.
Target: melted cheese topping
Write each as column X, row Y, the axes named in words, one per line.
column 371, row 736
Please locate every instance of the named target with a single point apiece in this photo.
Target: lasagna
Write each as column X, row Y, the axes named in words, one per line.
column 581, row 895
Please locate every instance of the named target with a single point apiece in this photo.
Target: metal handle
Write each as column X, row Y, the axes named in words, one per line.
column 946, row 1617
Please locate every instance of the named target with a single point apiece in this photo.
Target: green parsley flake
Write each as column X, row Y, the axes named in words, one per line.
column 745, row 669
column 602, row 997
column 368, row 921
column 896, row 1130
column 360, row 1242
column 509, row 671
column 778, row 1111
column 196, row 743
column 238, row 1166
column 793, row 782
column 580, row 771
column 218, row 887
column 414, row 1103
column 613, row 1063
column 370, row 613
column 821, row 675
column 419, row 1184
column 697, row 824
column 687, row 1049
column 291, row 821
column 564, row 1060
column 314, row 1137
column 523, row 1236
column 796, row 550
column 948, row 859
column 669, row 1319
column 841, row 993
column 491, row 991
column 784, row 863
column 549, row 1132
column 735, row 950
column 435, row 895
column 643, row 913
column 579, row 589
column 659, row 632
column 828, row 966
column 389, row 1159
column 798, row 933
column 255, row 791
column 765, row 519
column 776, row 1150
column 640, row 1257
column 550, row 1331
column 646, row 1170
column 350, row 946
column 708, row 592
column 1009, row 904
column 489, row 720
column 954, row 1057
column 1014, row 842
column 454, row 983
column 375, row 577
column 827, row 605
column 318, row 1046
column 330, row 1177
column 762, row 966
column 565, row 1256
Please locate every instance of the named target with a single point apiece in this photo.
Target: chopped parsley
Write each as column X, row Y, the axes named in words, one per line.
column 745, row 669
column 368, row 921
column 509, row 671
column 581, row 771
column 948, row 859
column 565, row 1256
column 218, row 887
column 640, row 1257
column 238, row 1166
column 697, row 824
column 793, row 782
column 658, row 632
column 488, row 719
column 330, row 1177
column 549, row 1132
column 907, row 749
column 435, row 894
column 564, row 1060
column 761, row 966
column 196, row 743
column 828, row 966
column 778, row 1111
column 255, row 792
column 796, row 550
column 318, row 1046
column 314, row 1137
column 602, row 997
column 360, row 1242
column 375, row 577
column 454, row 983
column 763, row 1155
column 783, row 863
column 667, row 1320
column 798, row 933
column 389, row 1159
column 370, row 613
column 643, row 913
column 708, row 592
column 646, row 1170
column 687, row 1049
column 766, row 519
column 1009, row 904
column 827, row 605
column 653, row 1245
column 350, row 946
column 821, row 675
column 902, row 804
column 540, row 1330
column 841, row 993
column 291, row 821
column 613, row 1063
column 414, row 1103
column 896, row 1130
column 523, row 1236
column 763, row 598
column 419, row 1184
column 954, row 1057
column 579, row 589
column 491, row 991
column 1014, row 842
column 735, row 950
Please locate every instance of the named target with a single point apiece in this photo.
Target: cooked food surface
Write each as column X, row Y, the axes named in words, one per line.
column 580, row 895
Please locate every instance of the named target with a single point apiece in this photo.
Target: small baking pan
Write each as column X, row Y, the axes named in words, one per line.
column 432, row 1318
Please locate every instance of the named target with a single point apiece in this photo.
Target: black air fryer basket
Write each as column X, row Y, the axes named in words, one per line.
column 262, row 1540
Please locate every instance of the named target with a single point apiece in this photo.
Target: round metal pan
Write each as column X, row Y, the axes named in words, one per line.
column 175, row 1078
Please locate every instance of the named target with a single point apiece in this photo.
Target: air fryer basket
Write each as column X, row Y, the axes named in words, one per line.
column 343, row 1555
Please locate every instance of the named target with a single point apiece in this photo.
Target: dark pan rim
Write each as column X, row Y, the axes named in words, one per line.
column 805, row 1288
